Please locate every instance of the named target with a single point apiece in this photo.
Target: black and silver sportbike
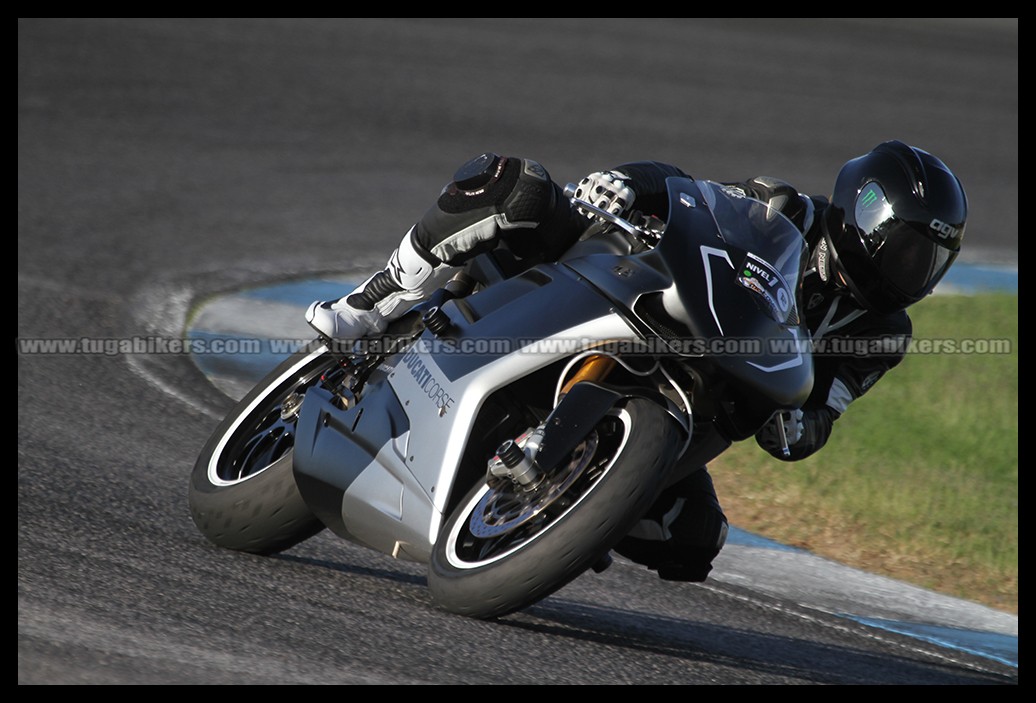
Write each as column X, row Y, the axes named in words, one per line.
column 509, row 431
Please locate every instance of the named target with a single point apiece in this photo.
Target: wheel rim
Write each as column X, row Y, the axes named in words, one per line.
column 501, row 519
column 259, row 448
column 260, row 436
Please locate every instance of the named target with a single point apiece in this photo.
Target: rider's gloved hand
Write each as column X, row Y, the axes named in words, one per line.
column 769, row 437
column 607, row 190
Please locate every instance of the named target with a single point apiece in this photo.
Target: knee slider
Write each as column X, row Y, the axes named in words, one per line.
column 480, row 185
column 490, row 184
column 478, row 173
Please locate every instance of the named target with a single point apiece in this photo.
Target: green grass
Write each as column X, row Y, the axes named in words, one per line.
column 920, row 478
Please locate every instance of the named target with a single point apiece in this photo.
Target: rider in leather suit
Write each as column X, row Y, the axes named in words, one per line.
column 891, row 229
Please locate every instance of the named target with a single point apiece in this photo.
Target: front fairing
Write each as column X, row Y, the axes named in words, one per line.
column 763, row 252
column 721, row 291
column 736, row 267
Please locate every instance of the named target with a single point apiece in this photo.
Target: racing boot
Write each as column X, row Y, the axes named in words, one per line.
column 409, row 278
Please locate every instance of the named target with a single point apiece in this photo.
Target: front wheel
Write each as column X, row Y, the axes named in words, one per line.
column 505, row 548
column 242, row 492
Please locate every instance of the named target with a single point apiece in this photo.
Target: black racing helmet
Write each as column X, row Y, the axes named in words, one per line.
column 895, row 225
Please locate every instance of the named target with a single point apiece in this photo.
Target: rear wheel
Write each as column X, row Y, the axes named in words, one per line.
column 242, row 493
column 505, row 547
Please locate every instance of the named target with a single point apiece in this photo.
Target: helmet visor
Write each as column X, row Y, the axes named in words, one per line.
column 910, row 263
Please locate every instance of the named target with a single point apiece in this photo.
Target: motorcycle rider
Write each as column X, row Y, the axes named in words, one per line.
column 890, row 230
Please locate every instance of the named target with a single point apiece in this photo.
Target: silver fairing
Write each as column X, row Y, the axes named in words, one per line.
column 386, row 483
column 412, row 478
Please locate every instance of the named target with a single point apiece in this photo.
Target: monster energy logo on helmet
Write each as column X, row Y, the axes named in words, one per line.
column 872, row 208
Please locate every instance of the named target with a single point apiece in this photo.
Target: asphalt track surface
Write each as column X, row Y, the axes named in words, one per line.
column 164, row 163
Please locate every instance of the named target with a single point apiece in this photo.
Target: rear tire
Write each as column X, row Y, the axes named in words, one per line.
column 242, row 493
column 503, row 549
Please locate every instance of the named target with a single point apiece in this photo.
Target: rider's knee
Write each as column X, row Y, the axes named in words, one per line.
column 490, row 198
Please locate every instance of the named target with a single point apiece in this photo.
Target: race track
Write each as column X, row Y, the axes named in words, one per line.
column 167, row 164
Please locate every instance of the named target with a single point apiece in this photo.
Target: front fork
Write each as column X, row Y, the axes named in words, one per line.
column 516, row 459
column 594, row 369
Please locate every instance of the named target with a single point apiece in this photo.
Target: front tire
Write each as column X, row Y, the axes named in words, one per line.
column 504, row 549
column 242, row 493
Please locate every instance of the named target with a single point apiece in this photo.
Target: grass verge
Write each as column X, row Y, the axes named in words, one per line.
column 919, row 480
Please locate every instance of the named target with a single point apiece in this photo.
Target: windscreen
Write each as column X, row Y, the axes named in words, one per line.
column 763, row 251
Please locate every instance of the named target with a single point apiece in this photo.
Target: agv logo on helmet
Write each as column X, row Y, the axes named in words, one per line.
column 943, row 230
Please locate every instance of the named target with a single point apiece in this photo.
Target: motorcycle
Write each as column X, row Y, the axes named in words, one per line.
column 510, row 430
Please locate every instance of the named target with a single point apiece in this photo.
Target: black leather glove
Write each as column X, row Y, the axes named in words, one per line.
column 806, row 431
column 608, row 190
column 769, row 437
